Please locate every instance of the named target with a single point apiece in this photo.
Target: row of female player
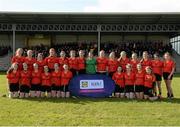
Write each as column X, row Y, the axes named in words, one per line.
column 134, row 78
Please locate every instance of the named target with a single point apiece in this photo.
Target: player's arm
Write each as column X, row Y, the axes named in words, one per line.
column 172, row 71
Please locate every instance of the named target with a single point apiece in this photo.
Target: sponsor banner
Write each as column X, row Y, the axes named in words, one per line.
column 95, row 86
column 91, row 84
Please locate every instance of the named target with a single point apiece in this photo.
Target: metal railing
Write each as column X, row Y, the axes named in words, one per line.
column 92, row 27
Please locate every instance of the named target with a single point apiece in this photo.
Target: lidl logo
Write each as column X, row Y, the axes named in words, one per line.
column 84, row 84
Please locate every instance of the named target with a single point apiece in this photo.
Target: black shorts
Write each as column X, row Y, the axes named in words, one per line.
column 82, row 71
column 13, row 87
column 46, row 88
column 158, row 77
column 74, row 72
column 148, row 91
column 35, row 87
column 129, row 88
column 165, row 76
column 55, row 88
column 139, row 88
column 24, row 89
column 64, row 88
column 119, row 89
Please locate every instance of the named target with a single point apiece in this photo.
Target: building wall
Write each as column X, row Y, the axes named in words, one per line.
column 134, row 37
column 65, row 38
column 164, row 38
column 111, row 38
column 89, row 38
column 5, row 40
column 20, row 41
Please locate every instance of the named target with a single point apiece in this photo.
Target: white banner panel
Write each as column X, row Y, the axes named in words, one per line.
column 91, row 84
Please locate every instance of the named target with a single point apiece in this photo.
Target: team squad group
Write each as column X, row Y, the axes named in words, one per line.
column 50, row 76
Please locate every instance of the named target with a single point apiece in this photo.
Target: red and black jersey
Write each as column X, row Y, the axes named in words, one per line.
column 119, row 79
column 56, row 78
column 73, row 63
column 50, row 61
column 112, row 65
column 102, row 64
column 81, row 63
column 36, row 77
column 41, row 65
column 29, row 62
column 168, row 66
column 46, row 79
column 25, row 78
column 123, row 62
column 66, row 77
column 13, row 77
column 139, row 78
column 146, row 63
column 129, row 78
column 157, row 67
column 134, row 65
column 62, row 61
column 148, row 80
column 19, row 60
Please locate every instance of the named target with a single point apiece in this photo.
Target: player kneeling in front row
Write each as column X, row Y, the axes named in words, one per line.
column 139, row 82
column 148, row 84
column 129, row 78
column 25, row 77
column 13, row 80
column 56, row 81
column 118, row 78
column 46, row 83
column 35, row 81
column 66, row 76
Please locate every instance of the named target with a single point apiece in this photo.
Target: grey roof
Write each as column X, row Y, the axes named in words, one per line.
column 89, row 18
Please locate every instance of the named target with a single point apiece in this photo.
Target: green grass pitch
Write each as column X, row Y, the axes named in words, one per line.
column 84, row 111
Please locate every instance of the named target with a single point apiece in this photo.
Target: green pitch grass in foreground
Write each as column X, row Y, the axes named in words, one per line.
column 109, row 111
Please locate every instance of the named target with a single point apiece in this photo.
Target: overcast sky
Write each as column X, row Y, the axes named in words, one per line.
column 90, row 5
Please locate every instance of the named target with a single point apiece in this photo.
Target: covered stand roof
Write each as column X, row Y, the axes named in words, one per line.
column 89, row 18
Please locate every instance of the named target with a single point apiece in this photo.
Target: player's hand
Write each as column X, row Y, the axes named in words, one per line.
column 169, row 77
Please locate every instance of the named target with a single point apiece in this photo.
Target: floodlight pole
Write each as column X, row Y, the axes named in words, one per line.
column 14, row 38
column 99, row 38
